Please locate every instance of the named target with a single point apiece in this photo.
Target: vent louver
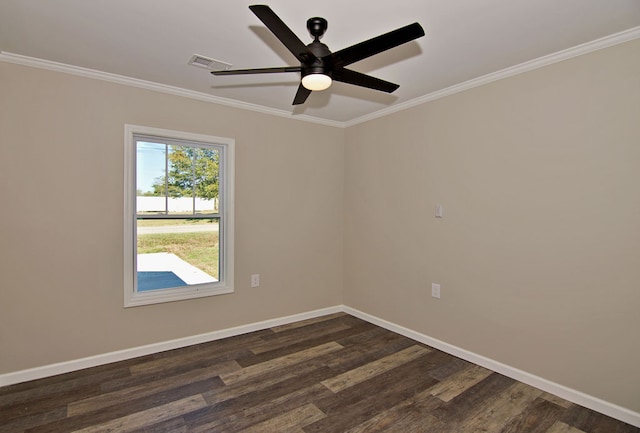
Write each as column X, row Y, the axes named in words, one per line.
column 208, row 63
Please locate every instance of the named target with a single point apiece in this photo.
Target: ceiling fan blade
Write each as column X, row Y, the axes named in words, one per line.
column 352, row 77
column 257, row 71
column 301, row 95
column 283, row 33
column 375, row 45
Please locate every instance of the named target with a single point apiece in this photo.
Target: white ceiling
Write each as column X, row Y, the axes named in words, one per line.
column 153, row 40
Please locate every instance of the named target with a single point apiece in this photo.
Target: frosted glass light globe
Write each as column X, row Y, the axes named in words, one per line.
column 316, row 81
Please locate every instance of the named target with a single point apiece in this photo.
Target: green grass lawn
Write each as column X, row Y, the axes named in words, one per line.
column 198, row 249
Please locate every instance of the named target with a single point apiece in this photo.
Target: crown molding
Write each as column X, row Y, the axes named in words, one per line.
column 588, row 47
column 157, row 87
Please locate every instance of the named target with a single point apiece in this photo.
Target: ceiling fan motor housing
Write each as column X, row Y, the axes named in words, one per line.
column 317, row 66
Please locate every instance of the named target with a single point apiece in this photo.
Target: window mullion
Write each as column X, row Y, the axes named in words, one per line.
column 193, row 182
column 166, row 179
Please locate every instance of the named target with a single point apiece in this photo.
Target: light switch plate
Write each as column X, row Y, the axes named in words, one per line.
column 435, row 290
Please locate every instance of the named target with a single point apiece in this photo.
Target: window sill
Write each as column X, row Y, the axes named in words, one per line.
column 172, row 295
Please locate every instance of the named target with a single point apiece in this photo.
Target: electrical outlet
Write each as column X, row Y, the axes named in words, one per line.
column 435, row 290
column 255, row 280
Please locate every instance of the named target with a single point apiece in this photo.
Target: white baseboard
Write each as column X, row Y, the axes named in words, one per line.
column 580, row 398
column 604, row 407
column 134, row 352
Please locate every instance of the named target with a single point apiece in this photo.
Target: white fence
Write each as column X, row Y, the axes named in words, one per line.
column 181, row 204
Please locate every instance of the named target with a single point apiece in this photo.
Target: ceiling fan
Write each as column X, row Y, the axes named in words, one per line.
column 318, row 65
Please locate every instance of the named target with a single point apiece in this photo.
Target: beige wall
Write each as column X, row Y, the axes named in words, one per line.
column 61, row 263
column 538, row 253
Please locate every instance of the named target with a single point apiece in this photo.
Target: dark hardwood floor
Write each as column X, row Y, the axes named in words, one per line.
column 331, row 374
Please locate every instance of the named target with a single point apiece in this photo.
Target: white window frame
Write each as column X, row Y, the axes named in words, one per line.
column 134, row 298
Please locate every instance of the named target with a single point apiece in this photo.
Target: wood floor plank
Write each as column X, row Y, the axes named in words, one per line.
column 178, row 360
column 144, row 379
column 449, row 367
column 472, row 401
column 507, row 405
column 25, row 422
column 375, row 368
column 151, row 416
column 366, row 347
column 556, row 400
column 307, row 322
column 303, row 344
column 459, row 382
column 48, row 403
column 537, row 418
column 594, row 422
column 68, row 380
column 173, row 425
column 222, row 416
column 124, row 408
column 356, row 404
column 51, row 388
column 289, row 339
column 560, row 427
column 262, row 383
column 289, row 422
column 286, row 402
column 110, row 398
column 258, row 411
column 279, row 363
column 225, row 349
column 410, row 415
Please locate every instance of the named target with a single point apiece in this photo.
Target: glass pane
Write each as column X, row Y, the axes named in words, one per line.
column 206, row 170
column 150, row 177
column 177, row 252
column 180, row 181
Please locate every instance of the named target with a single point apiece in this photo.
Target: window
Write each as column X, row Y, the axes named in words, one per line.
column 178, row 215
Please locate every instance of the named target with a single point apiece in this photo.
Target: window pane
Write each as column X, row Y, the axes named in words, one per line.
column 150, row 177
column 206, row 170
column 174, row 253
column 180, row 179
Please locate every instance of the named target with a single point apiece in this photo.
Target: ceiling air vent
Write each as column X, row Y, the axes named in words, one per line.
column 207, row 63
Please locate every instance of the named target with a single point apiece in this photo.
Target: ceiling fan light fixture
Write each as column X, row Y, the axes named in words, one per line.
column 316, row 81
